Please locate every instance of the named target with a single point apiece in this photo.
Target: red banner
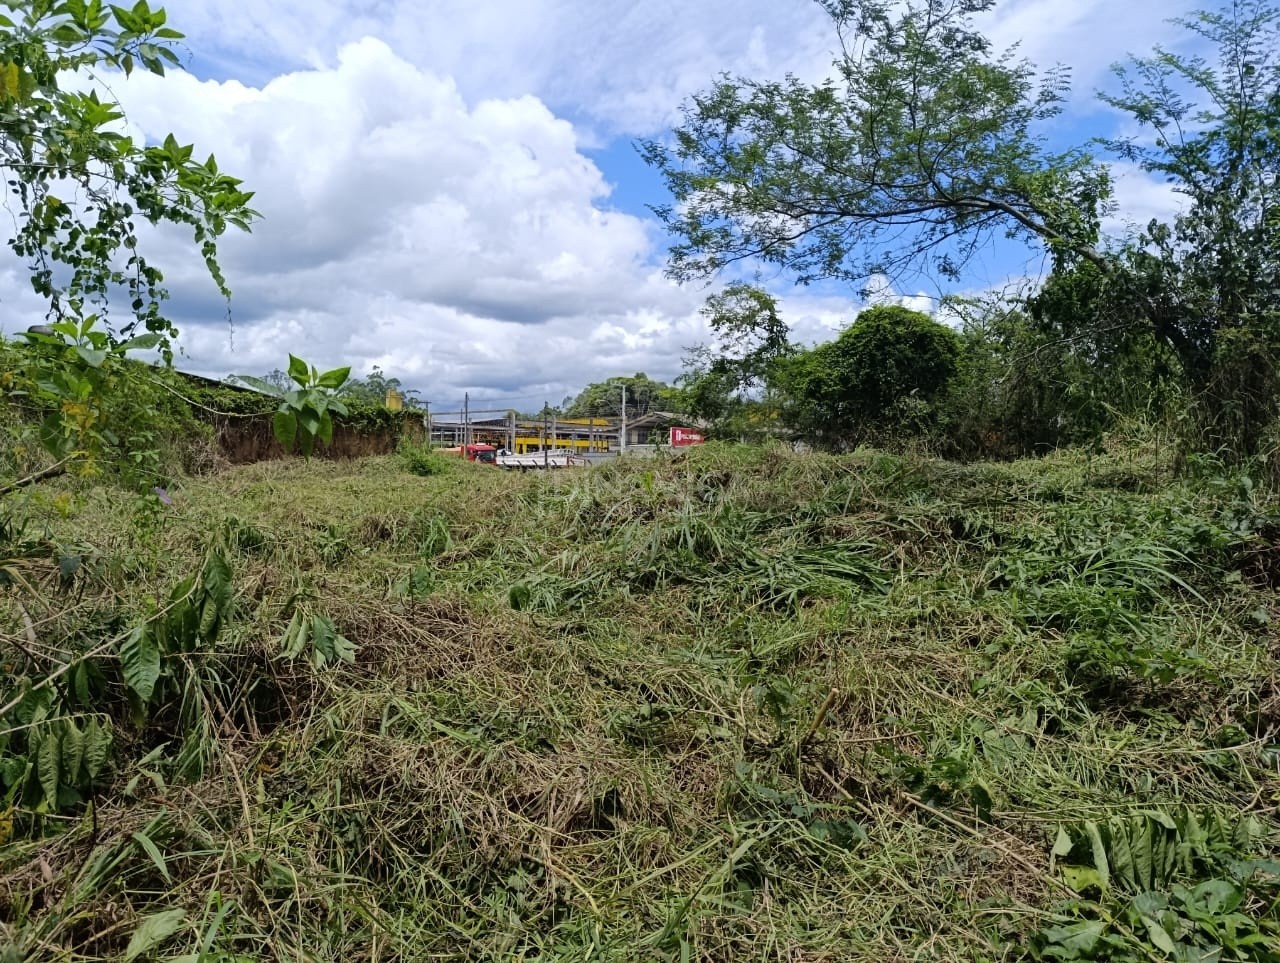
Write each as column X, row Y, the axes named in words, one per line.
column 685, row 436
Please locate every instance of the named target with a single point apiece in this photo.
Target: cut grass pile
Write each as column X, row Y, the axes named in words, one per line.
column 734, row 705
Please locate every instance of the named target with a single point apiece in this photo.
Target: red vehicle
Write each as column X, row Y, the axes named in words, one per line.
column 485, row 454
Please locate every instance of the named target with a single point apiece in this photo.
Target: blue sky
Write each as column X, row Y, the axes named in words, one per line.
column 450, row 188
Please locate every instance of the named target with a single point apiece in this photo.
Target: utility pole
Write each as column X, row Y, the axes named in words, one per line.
column 622, row 431
column 466, row 420
column 546, row 460
column 426, row 421
column 511, row 431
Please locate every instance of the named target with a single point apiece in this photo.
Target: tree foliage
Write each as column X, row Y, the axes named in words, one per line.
column 373, row 388
column 79, row 188
column 730, row 384
column 1028, row 382
column 70, row 393
column 927, row 142
column 923, row 146
column 880, row 377
column 1208, row 283
column 604, row 398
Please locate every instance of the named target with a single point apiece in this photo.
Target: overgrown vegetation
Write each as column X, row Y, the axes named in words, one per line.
column 927, row 143
column 736, row 704
column 73, row 401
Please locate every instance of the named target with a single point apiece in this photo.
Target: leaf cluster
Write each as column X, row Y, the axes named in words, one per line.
column 923, row 146
column 79, row 187
column 305, row 413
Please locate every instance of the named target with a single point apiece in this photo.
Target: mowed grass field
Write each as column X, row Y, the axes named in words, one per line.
column 737, row 704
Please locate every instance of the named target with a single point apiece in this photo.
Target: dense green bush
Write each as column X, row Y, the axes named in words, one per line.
column 878, row 381
column 70, row 402
column 421, row 460
column 1023, row 388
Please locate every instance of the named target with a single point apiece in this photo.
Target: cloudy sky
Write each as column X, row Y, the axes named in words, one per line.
column 450, row 190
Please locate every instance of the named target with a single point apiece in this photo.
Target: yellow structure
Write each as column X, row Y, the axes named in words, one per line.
column 575, row 434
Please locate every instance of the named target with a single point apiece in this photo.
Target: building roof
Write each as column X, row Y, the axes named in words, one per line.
column 662, row 419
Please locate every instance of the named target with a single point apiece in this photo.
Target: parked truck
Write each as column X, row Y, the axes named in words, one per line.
column 484, row 454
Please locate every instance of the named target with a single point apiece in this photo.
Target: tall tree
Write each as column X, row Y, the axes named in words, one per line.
column 728, row 384
column 923, row 146
column 1209, row 281
column 928, row 142
column 372, row 389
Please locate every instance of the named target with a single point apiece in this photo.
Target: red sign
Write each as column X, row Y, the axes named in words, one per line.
column 685, row 436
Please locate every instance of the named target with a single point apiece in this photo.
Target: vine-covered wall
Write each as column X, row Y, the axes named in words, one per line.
column 242, row 425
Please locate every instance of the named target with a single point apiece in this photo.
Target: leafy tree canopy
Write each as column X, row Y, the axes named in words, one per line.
column 923, row 145
column 372, row 389
column 728, row 384
column 604, row 398
column 928, row 142
column 881, row 374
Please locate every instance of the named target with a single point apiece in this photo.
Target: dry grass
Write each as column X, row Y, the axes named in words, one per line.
column 741, row 705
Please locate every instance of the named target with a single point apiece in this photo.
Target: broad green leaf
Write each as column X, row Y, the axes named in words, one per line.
column 325, row 432
column 53, row 435
column 140, row 662
column 80, row 676
column 1061, row 845
column 286, row 428
column 335, row 378
column 1099, row 852
column 49, row 766
column 93, row 357
column 35, row 704
column 143, row 342
column 295, row 636
column 1218, row 896
column 10, row 87
column 1158, row 935
column 1129, row 852
column 344, row 648
column 1150, row 903
column 182, row 589
column 97, row 748
column 208, row 627
column 308, row 420
column 1081, row 878
column 153, row 931
column 298, row 370
column 218, row 589
column 73, row 746
column 265, row 387
column 1163, row 818
column 1077, row 938
column 322, row 640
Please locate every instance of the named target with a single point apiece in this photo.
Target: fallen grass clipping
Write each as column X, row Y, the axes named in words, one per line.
column 738, row 704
